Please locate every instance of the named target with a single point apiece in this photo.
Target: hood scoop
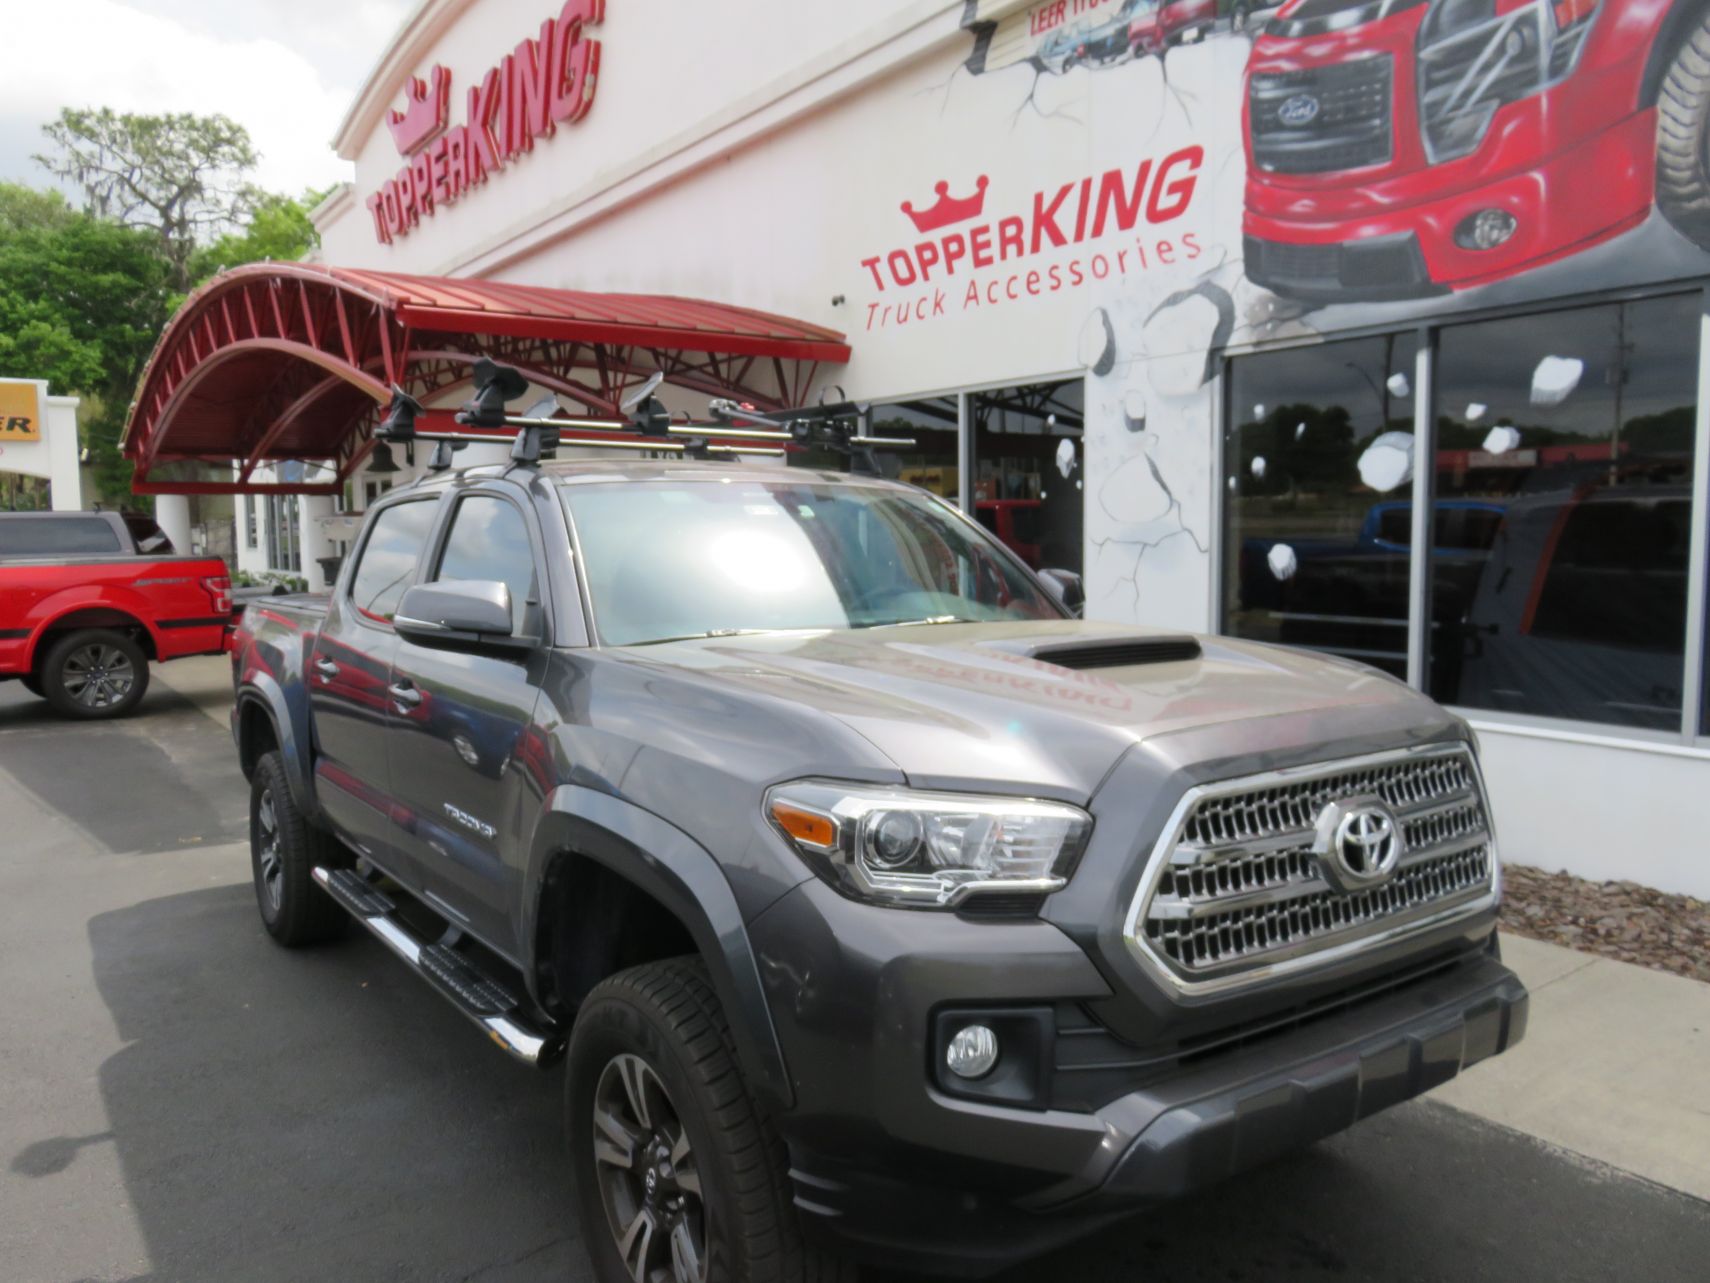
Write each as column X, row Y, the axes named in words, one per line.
column 1115, row 652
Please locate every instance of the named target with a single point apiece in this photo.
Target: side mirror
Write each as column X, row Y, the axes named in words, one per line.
column 454, row 612
column 1066, row 590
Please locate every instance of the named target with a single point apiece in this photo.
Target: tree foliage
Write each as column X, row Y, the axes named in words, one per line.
column 85, row 293
column 279, row 230
column 181, row 177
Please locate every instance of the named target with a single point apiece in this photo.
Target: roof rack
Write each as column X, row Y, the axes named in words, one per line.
column 839, row 426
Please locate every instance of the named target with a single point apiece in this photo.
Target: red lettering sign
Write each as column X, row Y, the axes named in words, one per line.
column 546, row 81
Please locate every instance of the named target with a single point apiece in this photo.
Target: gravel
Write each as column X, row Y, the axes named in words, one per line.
column 1620, row 920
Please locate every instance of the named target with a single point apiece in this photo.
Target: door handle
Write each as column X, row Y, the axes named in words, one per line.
column 405, row 696
column 326, row 668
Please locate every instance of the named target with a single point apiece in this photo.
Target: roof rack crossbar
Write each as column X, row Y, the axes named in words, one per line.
column 735, row 429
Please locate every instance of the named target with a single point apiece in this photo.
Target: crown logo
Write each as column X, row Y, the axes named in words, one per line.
column 425, row 113
column 949, row 209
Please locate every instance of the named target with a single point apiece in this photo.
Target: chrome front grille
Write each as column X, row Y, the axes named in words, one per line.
column 1235, row 888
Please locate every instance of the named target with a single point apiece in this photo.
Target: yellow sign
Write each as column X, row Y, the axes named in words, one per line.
column 20, row 412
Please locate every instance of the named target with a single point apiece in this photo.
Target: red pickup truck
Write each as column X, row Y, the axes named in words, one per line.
column 87, row 599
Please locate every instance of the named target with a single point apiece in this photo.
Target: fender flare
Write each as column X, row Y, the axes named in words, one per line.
column 666, row 863
column 50, row 611
column 262, row 690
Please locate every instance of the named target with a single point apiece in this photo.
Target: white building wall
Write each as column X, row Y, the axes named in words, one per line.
column 762, row 158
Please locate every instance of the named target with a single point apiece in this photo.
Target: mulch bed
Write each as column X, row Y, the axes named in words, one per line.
column 1620, row 920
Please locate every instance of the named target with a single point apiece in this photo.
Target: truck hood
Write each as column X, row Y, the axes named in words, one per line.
column 982, row 705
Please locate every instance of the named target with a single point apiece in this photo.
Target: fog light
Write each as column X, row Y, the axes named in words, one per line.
column 972, row 1052
column 1486, row 229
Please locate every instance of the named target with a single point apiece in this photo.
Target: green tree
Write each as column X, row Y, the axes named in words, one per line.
column 181, row 177
column 82, row 300
column 278, row 230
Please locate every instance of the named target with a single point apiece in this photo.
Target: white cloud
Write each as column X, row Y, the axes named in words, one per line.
column 99, row 53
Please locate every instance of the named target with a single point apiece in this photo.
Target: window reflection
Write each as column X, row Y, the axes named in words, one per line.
column 1318, row 514
column 1029, row 469
column 1563, row 483
column 933, row 463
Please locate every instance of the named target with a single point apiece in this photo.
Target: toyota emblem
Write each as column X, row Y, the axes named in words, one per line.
column 1358, row 843
column 1302, row 109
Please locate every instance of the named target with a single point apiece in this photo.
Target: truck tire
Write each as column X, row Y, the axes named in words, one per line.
column 93, row 673
column 1683, row 137
column 33, row 684
column 283, row 848
column 676, row 1170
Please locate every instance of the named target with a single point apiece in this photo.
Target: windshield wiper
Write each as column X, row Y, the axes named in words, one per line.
column 930, row 619
column 711, row 632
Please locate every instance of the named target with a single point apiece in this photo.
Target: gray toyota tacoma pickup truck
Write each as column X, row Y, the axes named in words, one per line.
column 881, row 909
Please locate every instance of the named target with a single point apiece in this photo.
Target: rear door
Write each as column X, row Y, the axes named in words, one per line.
column 463, row 789
column 349, row 670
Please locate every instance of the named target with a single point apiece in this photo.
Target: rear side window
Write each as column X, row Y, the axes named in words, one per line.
column 50, row 536
column 388, row 564
column 489, row 541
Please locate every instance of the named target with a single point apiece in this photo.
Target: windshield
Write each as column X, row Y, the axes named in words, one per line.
column 673, row 559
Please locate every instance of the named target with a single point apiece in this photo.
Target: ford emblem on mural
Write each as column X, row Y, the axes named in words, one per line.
column 1302, row 109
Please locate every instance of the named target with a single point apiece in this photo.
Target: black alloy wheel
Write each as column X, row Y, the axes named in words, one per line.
column 284, row 849
column 648, row 1180
column 680, row 1176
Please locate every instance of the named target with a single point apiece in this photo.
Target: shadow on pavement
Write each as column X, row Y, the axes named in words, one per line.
column 322, row 1115
column 314, row 1115
column 161, row 779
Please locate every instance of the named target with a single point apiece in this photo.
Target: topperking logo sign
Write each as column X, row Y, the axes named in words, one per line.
column 547, row 82
column 1117, row 224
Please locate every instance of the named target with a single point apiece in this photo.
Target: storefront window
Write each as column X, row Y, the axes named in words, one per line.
column 934, row 463
column 1563, row 509
column 1028, row 470
column 1319, row 461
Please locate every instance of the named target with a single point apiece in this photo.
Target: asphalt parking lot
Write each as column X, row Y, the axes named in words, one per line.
column 182, row 1100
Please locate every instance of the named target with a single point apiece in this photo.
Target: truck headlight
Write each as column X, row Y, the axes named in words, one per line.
column 1474, row 59
column 903, row 846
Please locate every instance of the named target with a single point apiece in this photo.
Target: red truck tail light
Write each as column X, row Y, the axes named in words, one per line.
column 219, row 589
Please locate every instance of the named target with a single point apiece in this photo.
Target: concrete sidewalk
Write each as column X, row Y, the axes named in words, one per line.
column 1615, row 1065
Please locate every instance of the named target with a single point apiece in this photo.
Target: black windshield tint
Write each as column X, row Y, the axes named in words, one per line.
column 680, row 559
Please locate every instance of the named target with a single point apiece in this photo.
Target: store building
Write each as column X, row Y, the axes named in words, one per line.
column 1372, row 327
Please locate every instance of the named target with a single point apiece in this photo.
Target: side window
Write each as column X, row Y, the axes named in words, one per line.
column 389, row 558
column 488, row 540
column 57, row 536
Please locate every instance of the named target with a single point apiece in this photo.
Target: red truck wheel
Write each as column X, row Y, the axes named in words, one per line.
column 93, row 672
column 1683, row 139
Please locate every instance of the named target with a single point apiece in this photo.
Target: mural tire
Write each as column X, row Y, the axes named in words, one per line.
column 1683, row 138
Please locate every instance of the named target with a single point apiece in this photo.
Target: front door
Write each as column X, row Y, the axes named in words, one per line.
column 349, row 668
column 459, row 762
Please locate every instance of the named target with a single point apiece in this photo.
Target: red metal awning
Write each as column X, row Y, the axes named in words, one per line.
column 276, row 362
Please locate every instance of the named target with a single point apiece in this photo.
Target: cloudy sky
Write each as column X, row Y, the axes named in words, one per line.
column 284, row 69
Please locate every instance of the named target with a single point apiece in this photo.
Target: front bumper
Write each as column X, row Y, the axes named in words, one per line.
column 897, row 1170
column 1353, row 238
column 1274, row 1097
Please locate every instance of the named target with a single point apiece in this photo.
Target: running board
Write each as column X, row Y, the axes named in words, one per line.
column 472, row 991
